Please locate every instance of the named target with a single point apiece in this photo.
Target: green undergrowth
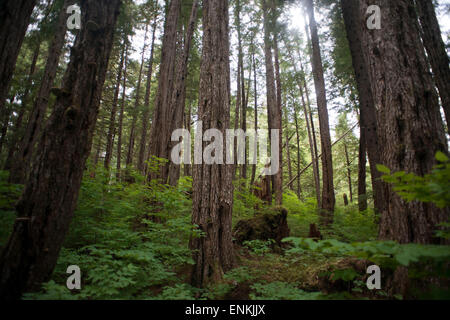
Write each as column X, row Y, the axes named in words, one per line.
column 131, row 241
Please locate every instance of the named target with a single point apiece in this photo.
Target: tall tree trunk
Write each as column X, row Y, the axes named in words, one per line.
column 362, row 160
column 137, row 98
column 179, row 93
column 212, row 185
column 21, row 165
column 146, row 114
column 311, row 118
column 368, row 116
column 349, row 172
column 274, row 115
column 14, row 19
column 121, row 116
column 288, row 153
column 303, row 88
column 236, row 118
column 161, row 125
column 328, row 197
column 187, row 126
column 410, row 128
column 23, row 108
column 437, row 54
column 50, row 195
column 297, row 133
column 278, row 114
column 314, row 148
column 241, row 85
column 255, row 84
column 112, row 118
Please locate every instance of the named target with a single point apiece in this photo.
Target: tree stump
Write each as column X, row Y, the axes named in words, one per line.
column 264, row 226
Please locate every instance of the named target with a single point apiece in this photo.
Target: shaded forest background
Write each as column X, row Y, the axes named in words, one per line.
column 86, row 118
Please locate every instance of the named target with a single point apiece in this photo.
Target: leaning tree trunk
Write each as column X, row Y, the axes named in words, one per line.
column 50, row 195
column 437, row 53
column 21, row 165
column 212, row 184
column 14, row 19
column 328, row 197
column 410, row 127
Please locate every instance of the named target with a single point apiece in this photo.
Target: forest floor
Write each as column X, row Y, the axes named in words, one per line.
column 125, row 254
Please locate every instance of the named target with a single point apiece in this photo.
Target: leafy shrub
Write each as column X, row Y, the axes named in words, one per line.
column 383, row 253
column 433, row 187
column 350, row 225
column 114, row 239
column 259, row 247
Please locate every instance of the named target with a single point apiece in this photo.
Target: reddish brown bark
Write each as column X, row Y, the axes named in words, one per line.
column 273, row 112
column 146, row 114
column 112, row 118
column 121, row 116
column 437, row 53
column 212, row 184
column 410, row 129
column 21, row 165
column 161, row 122
column 50, row 195
column 328, row 197
column 179, row 93
column 14, row 19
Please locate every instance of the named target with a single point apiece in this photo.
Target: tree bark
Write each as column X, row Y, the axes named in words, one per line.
column 278, row 186
column 328, row 197
column 161, row 125
column 212, row 184
column 349, row 172
column 368, row 116
column 297, row 134
column 22, row 163
column 410, row 127
column 121, row 116
column 146, row 114
column 131, row 142
column 112, row 118
column 274, row 114
column 437, row 53
column 14, row 19
column 50, row 195
column 19, row 120
column 179, row 94
column 255, row 84
column 362, row 160
column 302, row 85
column 288, row 151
